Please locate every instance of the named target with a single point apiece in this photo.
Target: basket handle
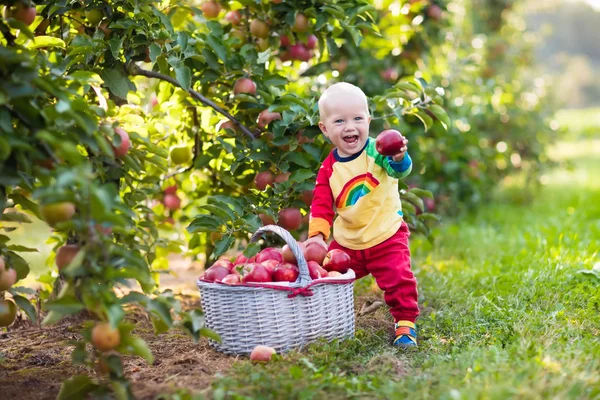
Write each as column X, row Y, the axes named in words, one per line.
column 304, row 277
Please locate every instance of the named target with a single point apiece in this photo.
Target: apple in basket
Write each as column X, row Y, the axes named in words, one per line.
column 240, row 259
column 287, row 254
column 216, row 273
column 285, row 272
column 315, row 252
column 270, row 264
column 334, row 274
column 232, row 279
column 337, row 260
column 262, row 354
column 316, row 271
column 270, row 253
column 255, row 272
column 224, row 263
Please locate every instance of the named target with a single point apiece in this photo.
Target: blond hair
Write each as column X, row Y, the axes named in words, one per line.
column 340, row 89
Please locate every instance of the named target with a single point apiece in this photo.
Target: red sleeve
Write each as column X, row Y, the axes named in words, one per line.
column 321, row 209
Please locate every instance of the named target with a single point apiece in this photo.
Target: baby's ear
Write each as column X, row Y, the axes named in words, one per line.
column 323, row 128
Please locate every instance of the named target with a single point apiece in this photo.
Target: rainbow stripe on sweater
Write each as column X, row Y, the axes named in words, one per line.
column 356, row 188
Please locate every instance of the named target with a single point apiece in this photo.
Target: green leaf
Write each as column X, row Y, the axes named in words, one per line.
column 204, row 223
column 426, row 119
column 209, row 333
column 184, row 77
column 421, row 192
column 217, row 45
column 135, row 345
column 14, row 217
column 441, row 115
column 46, row 41
column 429, row 217
column 22, row 249
column 222, row 245
column 26, row 204
column 414, row 199
column 4, row 148
column 116, row 82
column 298, row 158
column 26, row 306
column 76, row 388
column 67, row 305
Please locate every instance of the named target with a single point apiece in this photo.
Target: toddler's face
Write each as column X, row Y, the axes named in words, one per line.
column 346, row 124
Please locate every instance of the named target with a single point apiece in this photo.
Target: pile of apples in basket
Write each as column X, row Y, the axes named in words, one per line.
column 278, row 265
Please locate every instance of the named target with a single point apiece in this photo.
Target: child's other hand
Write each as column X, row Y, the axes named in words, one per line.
column 318, row 239
column 398, row 157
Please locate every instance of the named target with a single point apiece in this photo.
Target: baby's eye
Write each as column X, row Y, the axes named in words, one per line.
column 358, row 118
column 339, row 121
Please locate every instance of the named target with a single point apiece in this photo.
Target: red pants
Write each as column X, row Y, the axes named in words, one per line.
column 389, row 263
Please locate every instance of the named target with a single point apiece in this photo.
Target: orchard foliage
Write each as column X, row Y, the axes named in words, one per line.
column 124, row 123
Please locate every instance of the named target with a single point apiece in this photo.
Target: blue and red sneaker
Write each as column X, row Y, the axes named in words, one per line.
column 406, row 335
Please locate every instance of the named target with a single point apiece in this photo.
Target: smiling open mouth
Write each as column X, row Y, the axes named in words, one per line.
column 351, row 139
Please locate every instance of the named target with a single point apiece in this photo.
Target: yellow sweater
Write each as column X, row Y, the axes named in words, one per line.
column 363, row 188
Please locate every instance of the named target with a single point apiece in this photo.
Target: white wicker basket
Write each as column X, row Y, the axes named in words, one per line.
column 278, row 315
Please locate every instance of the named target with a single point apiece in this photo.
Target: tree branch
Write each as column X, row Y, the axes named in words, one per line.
column 134, row 69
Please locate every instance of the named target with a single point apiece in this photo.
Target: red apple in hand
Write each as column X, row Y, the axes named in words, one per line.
column 286, row 272
column 314, row 252
column 216, row 273
column 337, row 260
column 270, row 253
column 256, row 273
column 288, row 256
column 389, row 142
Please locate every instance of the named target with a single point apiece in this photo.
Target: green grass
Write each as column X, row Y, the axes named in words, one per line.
column 580, row 122
column 506, row 312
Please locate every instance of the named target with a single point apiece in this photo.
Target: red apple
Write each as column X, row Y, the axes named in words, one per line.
column 260, row 353
column 307, row 197
column 286, row 272
column 284, row 41
column 240, row 259
column 287, row 254
column 224, row 263
column 216, row 273
column 171, row 201
column 265, row 117
column 124, row 145
column 283, row 177
column 211, row 9
column 256, row 273
column 316, row 271
column 389, row 142
column 337, row 260
column 290, row 218
column 232, row 279
column 390, row 74
column 299, row 52
column 8, row 277
column 171, row 189
column 429, row 204
column 270, row 265
column 285, row 56
column 259, row 29
column 301, row 23
column 315, row 252
column 65, row 255
column 264, row 179
column 244, row 85
column 270, row 253
column 234, row 17
column 21, row 12
column 266, row 219
column 311, row 42
column 434, row 12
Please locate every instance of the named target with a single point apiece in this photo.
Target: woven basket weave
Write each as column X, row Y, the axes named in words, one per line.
column 279, row 316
